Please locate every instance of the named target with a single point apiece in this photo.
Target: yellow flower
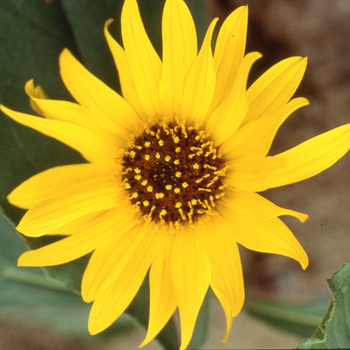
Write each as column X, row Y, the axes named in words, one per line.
column 172, row 169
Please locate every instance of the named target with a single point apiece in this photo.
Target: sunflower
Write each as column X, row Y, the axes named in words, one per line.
column 173, row 169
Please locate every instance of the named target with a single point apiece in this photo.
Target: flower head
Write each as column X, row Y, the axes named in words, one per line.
column 173, row 169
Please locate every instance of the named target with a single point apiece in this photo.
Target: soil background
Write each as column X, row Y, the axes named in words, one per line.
column 278, row 29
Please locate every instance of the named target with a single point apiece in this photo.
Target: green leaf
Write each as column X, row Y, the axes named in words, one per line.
column 299, row 319
column 32, row 34
column 69, row 274
column 87, row 19
column 26, row 293
column 334, row 330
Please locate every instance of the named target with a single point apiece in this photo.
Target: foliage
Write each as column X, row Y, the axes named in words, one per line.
column 32, row 35
column 334, row 330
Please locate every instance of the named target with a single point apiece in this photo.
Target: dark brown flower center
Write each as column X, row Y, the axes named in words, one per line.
column 173, row 173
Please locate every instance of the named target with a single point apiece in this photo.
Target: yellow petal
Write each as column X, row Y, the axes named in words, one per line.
column 145, row 65
column 105, row 107
column 191, row 274
column 270, row 236
column 200, row 84
column 229, row 52
column 226, row 276
column 310, row 157
column 253, row 173
column 179, row 52
column 250, row 173
column 162, row 297
column 53, row 183
column 275, row 87
column 57, row 110
column 252, row 205
column 84, row 222
column 109, row 261
column 227, row 307
column 124, row 73
column 228, row 116
column 67, row 111
column 256, row 137
column 97, row 228
column 38, row 92
column 112, row 301
column 87, row 197
column 92, row 146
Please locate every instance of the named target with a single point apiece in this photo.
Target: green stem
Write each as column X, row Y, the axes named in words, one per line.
column 34, row 279
column 282, row 314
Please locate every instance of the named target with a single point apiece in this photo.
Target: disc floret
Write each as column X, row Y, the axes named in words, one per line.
column 173, row 173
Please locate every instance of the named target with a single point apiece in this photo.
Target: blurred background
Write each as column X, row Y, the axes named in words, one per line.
column 278, row 29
